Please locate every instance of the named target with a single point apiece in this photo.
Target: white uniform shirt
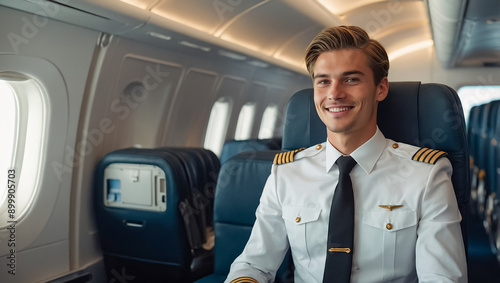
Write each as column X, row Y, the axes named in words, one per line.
column 423, row 242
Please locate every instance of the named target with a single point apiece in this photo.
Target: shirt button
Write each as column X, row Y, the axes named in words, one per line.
column 318, row 147
column 395, row 145
column 388, row 226
column 297, row 219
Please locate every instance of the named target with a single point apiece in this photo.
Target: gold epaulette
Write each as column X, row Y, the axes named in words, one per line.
column 428, row 155
column 244, row 280
column 285, row 157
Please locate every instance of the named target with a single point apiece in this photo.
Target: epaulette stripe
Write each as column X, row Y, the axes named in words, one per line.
column 436, row 157
column 293, row 154
column 418, row 153
column 425, row 154
column 244, row 280
column 285, row 157
column 275, row 161
column 430, row 155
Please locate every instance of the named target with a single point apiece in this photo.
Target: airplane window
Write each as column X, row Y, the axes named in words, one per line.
column 217, row 125
column 22, row 115
column 8, row 127
column 476, row 95
column 245, row 122
column 268, row 123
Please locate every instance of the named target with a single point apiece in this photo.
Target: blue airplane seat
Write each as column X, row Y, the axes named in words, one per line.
column 202, row 168
column 239, row 187
column 141, row 228
column 425, row 115
column 233, row 147
column 212, row 164
column 492, row 203
column 197, row 204
column 487, row 119
column 472, row 139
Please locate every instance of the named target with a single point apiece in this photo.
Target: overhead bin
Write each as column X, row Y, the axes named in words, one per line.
column 114, row 17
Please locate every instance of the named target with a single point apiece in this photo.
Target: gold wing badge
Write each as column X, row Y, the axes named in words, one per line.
column 390, row 207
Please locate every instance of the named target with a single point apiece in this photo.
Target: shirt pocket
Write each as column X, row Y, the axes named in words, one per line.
column 390, row 221
column 298, row 220
column 397, row 233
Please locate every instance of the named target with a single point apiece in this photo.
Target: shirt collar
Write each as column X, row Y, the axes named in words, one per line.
column 366, row 155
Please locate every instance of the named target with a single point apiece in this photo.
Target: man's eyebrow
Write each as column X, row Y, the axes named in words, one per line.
column 320, row 76
column 344, row 74
column 353, row 72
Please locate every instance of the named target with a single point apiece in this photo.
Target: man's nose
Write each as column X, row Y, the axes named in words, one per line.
column 336, row 91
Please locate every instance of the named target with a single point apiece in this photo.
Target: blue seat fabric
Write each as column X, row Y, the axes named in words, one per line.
column 169, row 245
column 239, row 187
column 233, row 147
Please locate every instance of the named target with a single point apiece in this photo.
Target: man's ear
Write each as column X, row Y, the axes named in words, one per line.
column 382, row 89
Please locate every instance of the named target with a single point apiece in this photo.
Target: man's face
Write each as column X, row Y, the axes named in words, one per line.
column 345, row 94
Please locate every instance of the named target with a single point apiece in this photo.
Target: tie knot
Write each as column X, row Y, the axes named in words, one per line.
column 346, row 163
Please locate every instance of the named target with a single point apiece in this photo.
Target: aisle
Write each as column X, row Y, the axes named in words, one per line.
column 482, row 264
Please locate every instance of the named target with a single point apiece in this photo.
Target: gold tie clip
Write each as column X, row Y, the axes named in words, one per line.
column 390, row 207
column 340, row 250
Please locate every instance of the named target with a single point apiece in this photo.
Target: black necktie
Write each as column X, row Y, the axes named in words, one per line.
column 341, row 227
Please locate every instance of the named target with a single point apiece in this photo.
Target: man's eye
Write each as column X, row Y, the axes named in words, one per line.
column 351, row 80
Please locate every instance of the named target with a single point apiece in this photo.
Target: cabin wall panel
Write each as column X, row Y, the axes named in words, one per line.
column 145, row 87
column 69, row 49
column 190, row 115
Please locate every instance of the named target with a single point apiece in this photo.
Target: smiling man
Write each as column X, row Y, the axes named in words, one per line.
column 336, row 205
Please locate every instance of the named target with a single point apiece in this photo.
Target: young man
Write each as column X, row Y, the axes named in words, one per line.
column 405, row 229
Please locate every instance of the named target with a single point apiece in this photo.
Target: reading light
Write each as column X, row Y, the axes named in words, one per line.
column 232, row 55
column 194, row 45
column 159, row 35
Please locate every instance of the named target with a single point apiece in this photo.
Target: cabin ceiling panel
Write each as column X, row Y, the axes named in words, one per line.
column 340, row 7
column 293, row 51
column 206, row 16
column 274, row 30
column 406, row 41
column 267, row 27
column 381, row 17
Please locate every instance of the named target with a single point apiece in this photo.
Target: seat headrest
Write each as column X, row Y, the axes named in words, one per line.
column 302, row 126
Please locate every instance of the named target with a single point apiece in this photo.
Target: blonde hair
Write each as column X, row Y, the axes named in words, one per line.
column 349, row 37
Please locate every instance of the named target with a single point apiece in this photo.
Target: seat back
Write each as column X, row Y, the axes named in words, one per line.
column 162, row 199
column 424, row 115
column 136, row 213
column 233, row 147
column 239, row 187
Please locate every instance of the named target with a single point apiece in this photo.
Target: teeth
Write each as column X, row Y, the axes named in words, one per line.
column 338, row 109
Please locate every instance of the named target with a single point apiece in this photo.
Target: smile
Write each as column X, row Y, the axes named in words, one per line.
column 339, row 109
